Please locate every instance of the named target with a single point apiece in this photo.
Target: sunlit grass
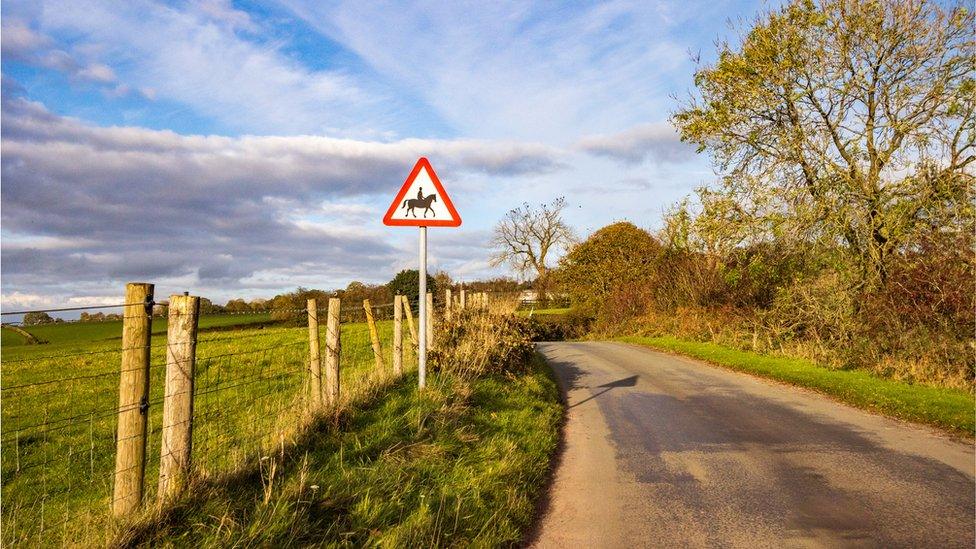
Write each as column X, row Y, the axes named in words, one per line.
column 950, row 409
column 457, row 464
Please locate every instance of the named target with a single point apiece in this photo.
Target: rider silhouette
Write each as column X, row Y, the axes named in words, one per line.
column 420, row 193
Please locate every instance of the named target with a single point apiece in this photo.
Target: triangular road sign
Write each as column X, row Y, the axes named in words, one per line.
column 422, row 201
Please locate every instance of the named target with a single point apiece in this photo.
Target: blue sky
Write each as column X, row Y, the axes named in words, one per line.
column 245, row 148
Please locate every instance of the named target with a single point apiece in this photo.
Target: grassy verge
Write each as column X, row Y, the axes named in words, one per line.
column 457, row 464
column 949, row 409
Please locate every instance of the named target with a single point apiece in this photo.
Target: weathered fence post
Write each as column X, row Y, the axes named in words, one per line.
column 397, row 335
column 130, row 441
column 413, row 329
column 447, row 304
column 332, row 346
column 177, row 431
column 314, row 356
column 374, row 338
column 463, row 299
column 430, row 320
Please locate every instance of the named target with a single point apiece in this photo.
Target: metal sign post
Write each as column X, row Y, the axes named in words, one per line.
column 422, row 202
column 423, row 312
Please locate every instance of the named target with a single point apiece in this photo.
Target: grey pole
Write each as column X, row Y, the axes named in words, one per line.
column 422, row 305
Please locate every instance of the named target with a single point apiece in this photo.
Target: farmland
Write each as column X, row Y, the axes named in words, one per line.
column 60, row 403
column 74, row 333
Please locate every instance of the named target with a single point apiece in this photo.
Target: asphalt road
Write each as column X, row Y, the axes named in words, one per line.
column 663, row 451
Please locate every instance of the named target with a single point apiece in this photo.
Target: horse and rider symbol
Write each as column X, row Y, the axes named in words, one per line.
column 420, row 202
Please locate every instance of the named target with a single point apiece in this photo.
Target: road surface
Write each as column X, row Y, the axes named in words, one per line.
column 663, row 451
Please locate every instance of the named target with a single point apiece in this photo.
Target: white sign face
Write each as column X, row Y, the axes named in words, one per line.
column 422, row 201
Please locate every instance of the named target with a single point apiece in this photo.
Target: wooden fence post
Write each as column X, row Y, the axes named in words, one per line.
column 314, row 356
column 332, row 347
column 177, row 431
column 397, row 335
column 447, row 304
column 130, row 440
column 463, row 299
column 374, row 338
column 430, row 320
column 413, row 329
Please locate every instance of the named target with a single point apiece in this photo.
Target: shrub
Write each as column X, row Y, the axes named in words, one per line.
column 560, row 327
column 474, row 343
column 617, row 255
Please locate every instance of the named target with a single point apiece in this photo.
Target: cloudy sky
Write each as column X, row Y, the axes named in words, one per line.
column 245, row 148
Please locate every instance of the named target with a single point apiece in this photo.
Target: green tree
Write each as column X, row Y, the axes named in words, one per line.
column 33, row 319
column 207, row 307
column 237, row 306
column 290, row 308
column 620, row 256
column 407, row 282
column 356, row 292
column 842, row 121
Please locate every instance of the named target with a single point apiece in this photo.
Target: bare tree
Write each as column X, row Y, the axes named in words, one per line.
column 527, row 237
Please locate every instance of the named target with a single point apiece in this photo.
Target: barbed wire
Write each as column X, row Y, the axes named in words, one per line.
column 78, row 308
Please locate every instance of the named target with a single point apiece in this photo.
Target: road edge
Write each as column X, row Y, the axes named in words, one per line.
column 543, row 500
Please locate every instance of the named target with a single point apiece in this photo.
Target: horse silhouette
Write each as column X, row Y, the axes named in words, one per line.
column 412, row 203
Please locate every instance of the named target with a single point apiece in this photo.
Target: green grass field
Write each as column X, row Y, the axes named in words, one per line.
column 9, row 338
column 59, row 416
column 949, row 409
column 74, row 333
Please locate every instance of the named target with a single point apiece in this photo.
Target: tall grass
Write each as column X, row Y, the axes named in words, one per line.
column 458, row 463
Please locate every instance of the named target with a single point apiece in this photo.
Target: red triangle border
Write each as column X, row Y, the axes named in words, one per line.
column 455, row 220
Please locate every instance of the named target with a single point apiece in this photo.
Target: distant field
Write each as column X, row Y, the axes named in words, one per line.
column 84, row 332
column 60, row 403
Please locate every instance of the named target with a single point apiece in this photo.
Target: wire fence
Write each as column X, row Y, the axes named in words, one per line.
column 60, row 410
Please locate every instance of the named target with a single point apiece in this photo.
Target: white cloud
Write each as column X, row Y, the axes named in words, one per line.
column 658, row 141
column 97, row 72
column 113, row 204
column 196, row 56
column 536, row 71
column 224, row 12
column 18, row 40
